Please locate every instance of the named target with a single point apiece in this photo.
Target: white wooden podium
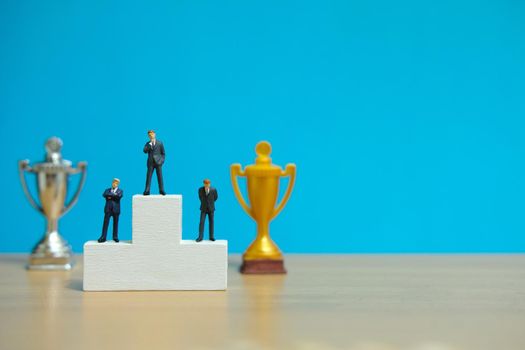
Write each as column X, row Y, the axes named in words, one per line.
column 157, row 258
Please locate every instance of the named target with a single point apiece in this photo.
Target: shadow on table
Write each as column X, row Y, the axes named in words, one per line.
column 234, row 263
column 76, row 284
column 18, row 260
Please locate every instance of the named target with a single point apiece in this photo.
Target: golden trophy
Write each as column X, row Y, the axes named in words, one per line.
column 262, row 179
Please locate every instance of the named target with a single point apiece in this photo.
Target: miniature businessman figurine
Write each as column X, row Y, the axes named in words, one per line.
column 208, row 195
column 156, row 155
column 111, row 210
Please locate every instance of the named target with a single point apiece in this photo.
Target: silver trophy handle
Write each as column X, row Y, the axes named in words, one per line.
column 23, row 166
column 81, row 167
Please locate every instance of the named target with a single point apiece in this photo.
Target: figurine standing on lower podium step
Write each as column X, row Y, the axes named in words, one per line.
column 156, row 155
column 111, row 210
column 207, row 195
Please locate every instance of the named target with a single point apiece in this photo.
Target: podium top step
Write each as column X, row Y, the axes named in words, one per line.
column 156, row 196
column 221, row 242
column 107, row 243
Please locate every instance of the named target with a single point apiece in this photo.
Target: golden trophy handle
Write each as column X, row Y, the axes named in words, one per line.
column 236, row 170
column 288, row 171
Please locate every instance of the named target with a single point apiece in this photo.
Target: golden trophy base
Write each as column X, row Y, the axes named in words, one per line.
column 262, row 267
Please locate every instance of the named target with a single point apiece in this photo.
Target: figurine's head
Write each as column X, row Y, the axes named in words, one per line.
column 115, row 183
column 207, row 183
column 151, row 134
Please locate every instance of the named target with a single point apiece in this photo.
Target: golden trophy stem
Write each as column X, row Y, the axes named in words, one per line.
column 263, row 231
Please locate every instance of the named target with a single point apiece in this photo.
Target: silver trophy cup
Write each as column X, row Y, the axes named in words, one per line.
column 52, row 252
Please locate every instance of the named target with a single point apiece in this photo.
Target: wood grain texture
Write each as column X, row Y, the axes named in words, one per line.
column 158, row 258
column 356, row 302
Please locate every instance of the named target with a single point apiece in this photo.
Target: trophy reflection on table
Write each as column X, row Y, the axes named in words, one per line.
column 52, row 252
column 262, row 179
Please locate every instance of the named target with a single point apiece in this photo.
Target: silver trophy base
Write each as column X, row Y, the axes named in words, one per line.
column 51, row 253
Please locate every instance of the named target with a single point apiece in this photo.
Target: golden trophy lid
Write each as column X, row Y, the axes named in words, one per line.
column 263, row 162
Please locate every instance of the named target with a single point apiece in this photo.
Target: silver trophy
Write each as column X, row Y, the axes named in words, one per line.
column 52, row 252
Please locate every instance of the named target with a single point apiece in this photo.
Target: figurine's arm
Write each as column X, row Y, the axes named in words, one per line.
column 201, row 195
column 162, row 149
column 117, row 196
column 147, row 147
column 216, row 195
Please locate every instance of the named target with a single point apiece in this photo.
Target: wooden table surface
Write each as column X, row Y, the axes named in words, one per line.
column 357, row 302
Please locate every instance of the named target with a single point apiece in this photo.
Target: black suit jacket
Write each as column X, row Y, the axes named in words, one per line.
column 208, row 201
column 112, row 201
column 156, row 155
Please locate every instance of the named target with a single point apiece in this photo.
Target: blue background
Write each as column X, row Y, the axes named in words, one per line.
column 405, row 119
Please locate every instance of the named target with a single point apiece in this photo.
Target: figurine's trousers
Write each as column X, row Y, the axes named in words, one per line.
column 210, row 223
column 107, row 216
column 158, row 170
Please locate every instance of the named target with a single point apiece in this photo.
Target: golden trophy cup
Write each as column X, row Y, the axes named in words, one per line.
column 262, row 179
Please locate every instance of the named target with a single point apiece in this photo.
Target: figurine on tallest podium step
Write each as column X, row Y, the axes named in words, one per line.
column 156, row 155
